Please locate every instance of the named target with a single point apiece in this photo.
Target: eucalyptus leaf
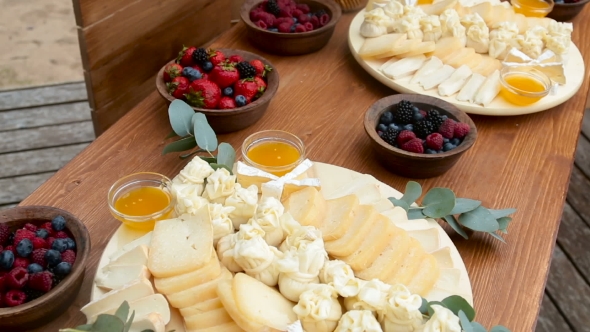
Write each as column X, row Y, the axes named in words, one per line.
column 497, row 236
column 501, row 213
column 123, row 311
column 129, row 322
column 499, row 328
column 226, row 155
column 465, row 323
column 414, row 214
column 424, row 307
column 438, row 202
column 400, row 203
column 412, row 193
column 188, row 155
column 147, row 330
column 456, row 303
column 217, row 166
column 503, row 223
column 182, row 144
column 204, row 134
column 85, row 327
column 452, row 221
column 477, row 327
column 72, row 330
column 210, row 160
column 107, row 323
column 480, row 220
column 180, row 114
column 463, row 205
column 430, row 304
column 172, row 134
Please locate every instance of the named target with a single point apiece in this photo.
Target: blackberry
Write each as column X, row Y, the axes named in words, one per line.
column 435, row 118
column 390, row 136
column 32, row 294
column 320, row 12
column 200, row 55
column 56, row 280
column 404, row 113
column 424, row 128
column 273, row 7
column 245, row 69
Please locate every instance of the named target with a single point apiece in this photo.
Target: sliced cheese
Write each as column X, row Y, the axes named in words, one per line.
column 499, row 14
column 113, row 299
column 207, row 319
column 439, row 7
column 473, row 61
column 225, row 327
column 484, row 9
column 521, row 22
column 116, row 276
column 307, row 206
column 455, row 82
column 428, row 68
column 261, row 303
column 137, row 255
column 226, row 295
column 340, row 213
column 461, row 57
column 197, row 294
column 152, row 321
column 365, row 218
column 200, row 307
column 143, row 307
column 406, row 269
column 180, row 282
column 404, row 46
column 144, row 240
column 425, row 277
column 446, row 45
column 404, row 67
column 181, row 245
column 488, row 90
column 487, row 65
column 468, row 91
column 420, row 48
column 381, row 45
column 438, row 77
column 388, row 259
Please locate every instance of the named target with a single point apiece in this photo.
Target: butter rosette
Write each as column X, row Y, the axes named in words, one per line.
column 341, row 276
column 318, row 308
column 547, row 63
column 358, row 320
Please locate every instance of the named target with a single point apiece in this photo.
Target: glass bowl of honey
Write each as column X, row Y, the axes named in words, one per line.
column 523, row 86
column 273, row 151
column 140, row 199
column 533, row 8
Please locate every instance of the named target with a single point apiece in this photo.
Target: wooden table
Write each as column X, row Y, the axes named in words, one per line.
column 522, row 162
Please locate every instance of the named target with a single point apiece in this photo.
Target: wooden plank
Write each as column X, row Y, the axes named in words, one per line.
column 44, row 116
column 586, row 123
column 550, row 320
column 583, row 155
column 43, row 137
column 16, row 189
column 573, row 237
column 88, row 12
column 45, row 95
column 38, row 161
column 7, row 206
column 578, row 193
column 569, row 291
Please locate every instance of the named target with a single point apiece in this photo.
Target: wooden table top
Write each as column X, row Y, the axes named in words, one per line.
column 522, row 162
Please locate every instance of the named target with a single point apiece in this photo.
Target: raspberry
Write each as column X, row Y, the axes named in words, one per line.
column 14, row 297
column 461, row 130
column 324, row 19
column 261, row 24
column 447, row 129
column 61, row 235
column 10, row 248
column 302, row 7
column 20, row 262
column 23, row 234
column 38, row 256
column 47, row 226
column 2, row 284
column 434, row 141
column 50, row 241
column 315, row 21
column 303, row 18
column 284, row 27
column 30, row 227
column 17, row 278
column 300, row 28
column 286, row 12
column 68, row 256
column 4, row 233
column 297, row 12
column 42, row 281
column 405, row 136
column 308, row 26
column 413, row 145
column 39, row 243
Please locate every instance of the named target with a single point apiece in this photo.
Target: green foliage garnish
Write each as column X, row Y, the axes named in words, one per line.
column 459, row 213
column 195, row 131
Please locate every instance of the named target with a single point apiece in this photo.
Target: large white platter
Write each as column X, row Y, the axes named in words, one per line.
column 574, row 73
column 336, row 182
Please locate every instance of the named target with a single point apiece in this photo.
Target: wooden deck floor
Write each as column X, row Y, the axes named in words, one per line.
column 42, row 128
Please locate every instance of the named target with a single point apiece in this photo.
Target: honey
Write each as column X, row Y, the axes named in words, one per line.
column 531, row 89
column 532, row 8
column 274, row 154
column 142, row 201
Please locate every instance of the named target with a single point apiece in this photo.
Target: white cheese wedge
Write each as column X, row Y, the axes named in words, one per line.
column 143, row 307
column 404, row 67
column 455, row 82
column 144, row 240
column 488, row 90
column 430, row 238
column 113, row 299
column 388, row 63
column 438, row 77
column 153, row 321
column 470, row 88
column 443, row 257
column 116, row 276
column 428, row 68
column 137, row 256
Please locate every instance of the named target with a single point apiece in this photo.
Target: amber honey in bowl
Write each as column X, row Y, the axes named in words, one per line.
column 532, row 8
column 273, row 151
column 523, row 86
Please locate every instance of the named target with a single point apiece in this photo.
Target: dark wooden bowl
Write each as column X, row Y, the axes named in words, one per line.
column 226, row 121
column 49, row 306
column 292, row 43
column 566, row 11
column 409, row 164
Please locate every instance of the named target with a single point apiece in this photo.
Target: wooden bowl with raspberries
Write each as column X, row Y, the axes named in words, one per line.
column 290, row 27
column 418, row 136
column 43, row 254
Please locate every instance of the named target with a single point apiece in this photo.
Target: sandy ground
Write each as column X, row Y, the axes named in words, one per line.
column 38, row 43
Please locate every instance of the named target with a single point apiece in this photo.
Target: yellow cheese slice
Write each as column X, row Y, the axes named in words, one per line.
column 521, row 22
column 405, row 46
column 184, row 281
column 211, row 304
column 487, row 66
column 362, row 224
column 382, row 44
column 453, row 53
column 389, row 259
column 445, row 46
column 499, row 14
column 461, row 10
column 197, row 294
column 226, row 295
column 460, row 57
column 484, row 9
column 420, row 48
column 426, row 276
column 473, row 61
column 439, row 7
column 340, row 213
column 406, row 268
column 225, row 327
column 307, row 206
column 207, row 319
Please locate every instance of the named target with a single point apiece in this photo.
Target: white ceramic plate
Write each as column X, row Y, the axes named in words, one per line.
column 337, row 181
column 574, row 73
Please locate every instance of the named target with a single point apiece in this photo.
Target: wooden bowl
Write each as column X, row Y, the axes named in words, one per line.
column 416, row 165
column 49, row 306
column 566, row 11
column 292, row 43
column 226, row 121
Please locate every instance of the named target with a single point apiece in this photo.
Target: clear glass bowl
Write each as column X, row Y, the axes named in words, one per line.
column 139, row 180
column 533, row 8
column 273, row 136
column 523, row 97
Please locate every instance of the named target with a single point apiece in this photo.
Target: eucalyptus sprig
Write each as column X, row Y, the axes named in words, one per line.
column 459, row 213
column 195, row 131
column 460, row 307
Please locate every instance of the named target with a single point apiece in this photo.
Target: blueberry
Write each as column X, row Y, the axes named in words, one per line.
column 62, row 268
column 191, row 73
column 444, row 117
column 207, row 66
column 394, row 126
column 382, row 127
column 273, row 29
column 386, row 118
column 6, row 260
column 415, row 109
column 34, row 268
column 409, row 127
column 455, row 141
column 445, row 140
column 42, row 233
column 295, row 20
column 430, row 151
column 229, row 91
column 24, row 248
column 58, row 223
column 71, row 243
column 53, row 257
column 417, row 116
column 240, row 100
column 292, row 28
column 60, row 245
column 448, row 146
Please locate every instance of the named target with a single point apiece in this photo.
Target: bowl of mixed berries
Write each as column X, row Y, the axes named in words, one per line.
column 565, row 10
column 418, row 136
column 289, row 27
column 43, row 253
column 233, row 88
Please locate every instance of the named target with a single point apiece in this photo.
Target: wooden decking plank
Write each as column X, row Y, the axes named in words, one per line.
column 569, row 291
column 44, row 95
column 578, row 193
column 7, row 206
column 38, row 161
column 44, row 137
column 573, row 237
column 16, row 189
column 550, row 319
column 44, row 116
column 583, row 155
column 586, row 123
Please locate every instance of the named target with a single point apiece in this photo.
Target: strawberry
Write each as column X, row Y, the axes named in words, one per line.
column 224, row 75
column 39, row 243
column 225, row 103
column 447, row 128
column 461, row 130
column 20, row 262
column 4, row 233
column 216, row 57
column 14, row 297
column 178, row 87
column 68, row 256
column 203, row 93
column 171, row 71
column 185, row 56
column 413, row 145
column 405, row 136
column 434, row 141
column 17, row 278
column 261, row 68
column 38, row 256
column 30, row 227
column 42, row 281
column 235, row 59
column 261, row 83
column 23, row 234
column 246, row 87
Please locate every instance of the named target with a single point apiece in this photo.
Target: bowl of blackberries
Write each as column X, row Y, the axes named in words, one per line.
column 418, row 136
column 43, row 253
column 565, row 10
column 290, row 27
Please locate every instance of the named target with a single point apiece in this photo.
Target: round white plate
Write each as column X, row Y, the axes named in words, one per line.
column 574, row 73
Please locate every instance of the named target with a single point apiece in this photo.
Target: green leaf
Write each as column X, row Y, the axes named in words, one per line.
column 74, row 329
column 497, row 237
column 182, row 144
column 480, row 220
column 188, row 155
column 463, row 205
column 172, row 134
column 438, row 202
column 424, row 307
column 477, row 327
column 226, row 155
column 204, row 134
column 452, row 221
column 414, row 214
column 129, row 322
column 501, row 213
column 455, row 303
column 503, row 223
column 499, row 328
column 430, row 304
column 210, row 160
column 123, row 311
column 180, row 114
column 217, row 166
column 465, row 323
column 147, row 330
column 400, row 203
column 107, row 323
column 412, row 193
